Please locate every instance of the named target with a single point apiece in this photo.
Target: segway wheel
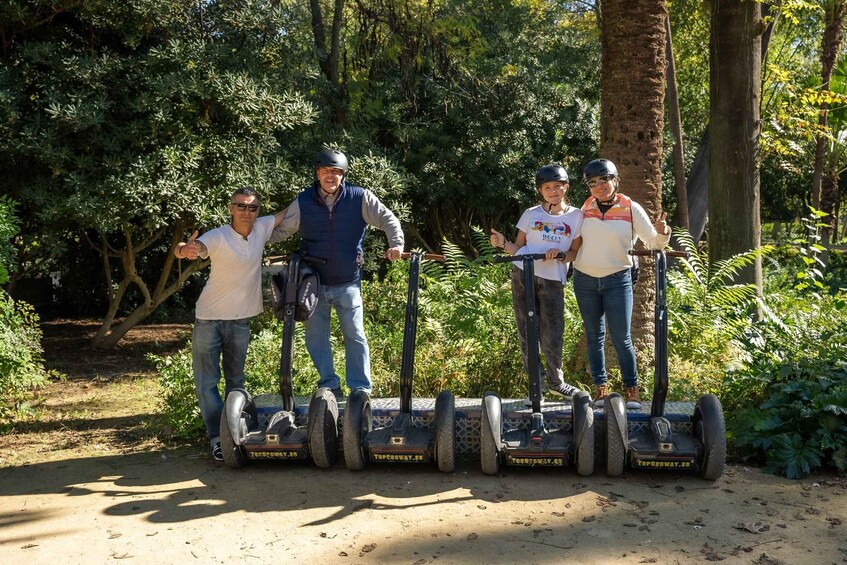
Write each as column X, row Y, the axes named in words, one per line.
column 616, row 434
column 583, row 433
column 489, row 441
column 357, row 425
column 323, row 428
column 445, row 431
column 236, row 418
column 710, row 429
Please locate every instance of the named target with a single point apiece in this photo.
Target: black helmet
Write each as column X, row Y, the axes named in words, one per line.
column 331, row 158
column 549, row 173
column 599, row 168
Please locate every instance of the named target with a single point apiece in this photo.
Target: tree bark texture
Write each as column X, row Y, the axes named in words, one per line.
column 672, row 96
column 697, row 185
column 825, row 192
column 632, row 93
column 734, row 129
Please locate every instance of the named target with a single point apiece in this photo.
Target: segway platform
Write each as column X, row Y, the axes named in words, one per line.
column 515, row 415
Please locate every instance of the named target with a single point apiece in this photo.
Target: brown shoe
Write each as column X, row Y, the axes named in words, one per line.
column 600, row 394
column 633, row 397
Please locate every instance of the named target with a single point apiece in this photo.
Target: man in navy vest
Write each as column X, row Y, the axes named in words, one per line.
column 331, row 216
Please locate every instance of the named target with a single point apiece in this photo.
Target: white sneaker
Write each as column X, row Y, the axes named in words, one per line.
column 562, row 389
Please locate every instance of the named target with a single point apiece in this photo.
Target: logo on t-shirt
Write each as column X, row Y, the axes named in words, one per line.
column 552, row 231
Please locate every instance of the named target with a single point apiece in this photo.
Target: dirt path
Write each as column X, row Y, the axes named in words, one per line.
column 92, row 483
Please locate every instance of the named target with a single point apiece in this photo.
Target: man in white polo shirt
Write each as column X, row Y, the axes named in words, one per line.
column 231, row 297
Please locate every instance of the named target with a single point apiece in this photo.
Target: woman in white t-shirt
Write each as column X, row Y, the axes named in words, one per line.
column 549, row 228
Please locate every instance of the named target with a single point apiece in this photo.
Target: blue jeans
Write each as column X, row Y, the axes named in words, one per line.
column 347, row 301
column 209, row 340
column 607, row 300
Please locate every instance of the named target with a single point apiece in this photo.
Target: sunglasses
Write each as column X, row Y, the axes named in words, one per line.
column 604, row 179
column 241, row 207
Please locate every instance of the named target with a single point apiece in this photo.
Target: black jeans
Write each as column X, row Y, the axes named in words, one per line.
column 550, row 310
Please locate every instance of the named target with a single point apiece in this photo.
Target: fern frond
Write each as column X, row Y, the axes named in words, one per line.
column 697, row 262
column 727, row 270
column 732, row 295
column 456, row 258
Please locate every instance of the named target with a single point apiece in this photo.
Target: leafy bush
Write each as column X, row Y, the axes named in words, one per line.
column 709, row 317
column 795, row 380
column 21, row 364
column 9, row 228
column 798, row 418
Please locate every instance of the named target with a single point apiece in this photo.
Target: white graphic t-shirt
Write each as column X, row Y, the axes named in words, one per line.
column 547, row 231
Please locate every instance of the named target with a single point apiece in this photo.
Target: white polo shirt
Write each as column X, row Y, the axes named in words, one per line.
column 234, row 288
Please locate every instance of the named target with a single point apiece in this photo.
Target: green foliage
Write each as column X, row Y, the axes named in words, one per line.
column 709, row 319
column 791, row 392
column 9, row 228
column 798, row 419
column 127, row 124
column 21, row 364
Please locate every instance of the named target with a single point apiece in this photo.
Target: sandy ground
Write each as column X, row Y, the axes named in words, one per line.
column 90, row 484
column 178, row 506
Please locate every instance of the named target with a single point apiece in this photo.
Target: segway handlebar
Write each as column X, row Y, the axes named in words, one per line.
column 429, row 256
column 307, row 258
column 668, row 252
column 535, row 256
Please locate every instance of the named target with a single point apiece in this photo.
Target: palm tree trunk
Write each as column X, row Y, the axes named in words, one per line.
column 632, row 92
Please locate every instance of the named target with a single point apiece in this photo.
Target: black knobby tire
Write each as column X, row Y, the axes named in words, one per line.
column 582, row 424
column 237, row 401
column 616, row 435
column 323, row 428
column 489, row 456
column 710, row 429
column 445, row 431
column 357, row 424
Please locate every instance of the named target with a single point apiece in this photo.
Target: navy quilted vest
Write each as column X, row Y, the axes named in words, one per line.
column 335, row 236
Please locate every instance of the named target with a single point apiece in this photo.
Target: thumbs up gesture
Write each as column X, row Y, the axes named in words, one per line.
column 660, row 224
column 191, row 249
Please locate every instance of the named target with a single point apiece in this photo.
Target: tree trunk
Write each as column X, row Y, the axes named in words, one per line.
column 632, row 92
column 109, row 334
column 697, row 186
column 672, row 97
column 829, row 196
column 735, row 88
column 825, row 192
column 697, row 189
column 329, row 57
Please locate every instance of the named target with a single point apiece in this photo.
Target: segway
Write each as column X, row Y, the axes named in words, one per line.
column 243, row 438
column 402, row 441
column 537, row 446
column 659, row 446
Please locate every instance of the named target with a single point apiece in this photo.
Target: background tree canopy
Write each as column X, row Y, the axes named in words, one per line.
column 126, row 125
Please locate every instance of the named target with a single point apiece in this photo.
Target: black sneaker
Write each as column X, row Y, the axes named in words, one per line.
column 562, row 389
column 339, row 394
column 217, row 454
